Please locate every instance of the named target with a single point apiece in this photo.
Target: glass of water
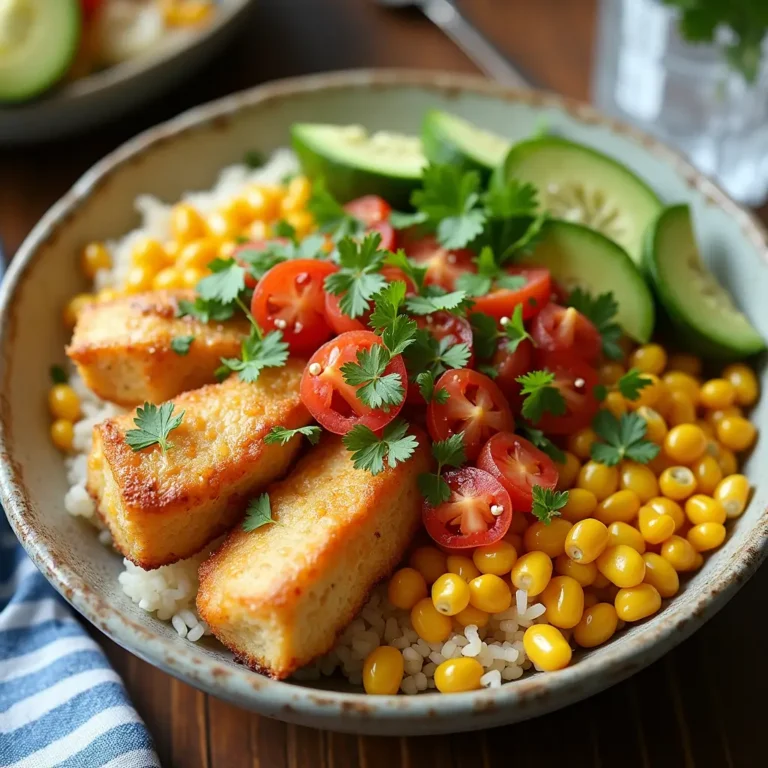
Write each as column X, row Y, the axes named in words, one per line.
column 686, row 94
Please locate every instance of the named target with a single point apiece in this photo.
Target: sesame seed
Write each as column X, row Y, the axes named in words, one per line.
column 579, row 383
column 504, row 321
column 496, row 509
column 314, row 369
column 280, row 323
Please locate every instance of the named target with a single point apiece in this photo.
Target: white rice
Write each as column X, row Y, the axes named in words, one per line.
column 170, row 591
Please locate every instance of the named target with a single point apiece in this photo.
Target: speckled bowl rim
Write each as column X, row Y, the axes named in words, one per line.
column 353, row 711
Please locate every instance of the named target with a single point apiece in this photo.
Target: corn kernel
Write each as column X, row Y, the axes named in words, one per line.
column 430, row 562
column 707, row 473
column 679, row 409
column 472, row 615
column 75, row 306
column 222, row 226
column 655, row 426
column 490, row 593
column 546, row 647
column 564, row 600
column 198, row 253
column 567, row 472
column 586, row 540
column 622, row 566
column 660, row 574
column 619, row 506
column 704, row 509
column 685, row 443
column 549, row 539
column 138, row 279
column 590, row 599
column 107, row 294
column 732, row 492
column 458, row 675
column 519, row 524
column 532, row 573
column 599, row 478
column 62, row 434
column 149, row 255
column 580, row 443
column 679, row 553
column 623, row 533
column 584, row 573
column 664, row 506
column 655, row 528
column 167, row 279
column 639, row 479
column 677, row 483
column 450, row 594
column 744, row 382
column 430, row 625
column 191, row 276
column 706, row 536
column 63, row 402
column 186, row 223
column 615, row 403
column 689, row 364
column 95, row 256
column 651, row 394
column 383, row 671
column 677, row 381
column 715, row 416
column 727, row 461
column 495, row 558
column 580, row 505
column 649, row 358
column 597, row 625
column 463, row 566
column 610, row 372
column 717, row 394
column 406, row 588
column 736, row 433
column 264, row 201
column 516, row 540
column 636, row 603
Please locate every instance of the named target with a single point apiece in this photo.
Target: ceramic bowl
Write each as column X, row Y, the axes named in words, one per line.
column 106, row 95
column 186, row 153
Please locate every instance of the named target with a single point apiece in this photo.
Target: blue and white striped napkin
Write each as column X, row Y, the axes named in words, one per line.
column 61, row 704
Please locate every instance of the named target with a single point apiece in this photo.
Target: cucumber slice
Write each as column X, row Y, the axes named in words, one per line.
column 354, row 163
column 581, row 257
column 38, row 41
column 451, row 139
column 579, row 184
column 703, row 313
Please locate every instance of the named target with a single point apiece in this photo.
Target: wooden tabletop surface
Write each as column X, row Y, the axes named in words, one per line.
column 699, row 706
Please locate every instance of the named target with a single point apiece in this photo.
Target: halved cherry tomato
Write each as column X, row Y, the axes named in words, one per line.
column 448, row 327
column 518, row 465
column 327, row 396
column 475, row 406
column 443, row 266
column 342, row 323
column 370, row 209
column 576, row 380
column 290, row 298
column 557, row 329
column 479, row 511
column 510, row 365
column 533, row 295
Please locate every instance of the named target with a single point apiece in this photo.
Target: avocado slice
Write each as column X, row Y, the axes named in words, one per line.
column 703, row 314
column 580, row 257
column 451, row 139
column 354, row 163
column 38, row 41
column 579, row 184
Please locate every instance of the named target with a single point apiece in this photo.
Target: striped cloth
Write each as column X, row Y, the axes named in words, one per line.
column 61, row 704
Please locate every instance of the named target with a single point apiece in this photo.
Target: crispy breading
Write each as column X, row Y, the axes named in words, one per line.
column 122, row 348
column 278, row 596
column 160, row 507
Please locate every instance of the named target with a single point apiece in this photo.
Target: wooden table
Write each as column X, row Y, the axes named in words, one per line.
column 700, row 705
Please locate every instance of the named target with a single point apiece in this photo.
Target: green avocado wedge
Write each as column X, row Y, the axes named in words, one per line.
column 580, row 257
column 579, row 184
column 447, row 138
column 702, row 313
column 354, row 163
column 38, row 41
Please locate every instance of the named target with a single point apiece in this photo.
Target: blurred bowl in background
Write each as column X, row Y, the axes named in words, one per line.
column 110, row 93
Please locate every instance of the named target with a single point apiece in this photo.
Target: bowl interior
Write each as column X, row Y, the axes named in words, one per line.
column 186, row 155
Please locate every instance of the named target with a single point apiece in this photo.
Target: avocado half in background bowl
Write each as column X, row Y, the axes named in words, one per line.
column 187, row 154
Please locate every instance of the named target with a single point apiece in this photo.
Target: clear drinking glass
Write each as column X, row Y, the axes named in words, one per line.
column 684, row 93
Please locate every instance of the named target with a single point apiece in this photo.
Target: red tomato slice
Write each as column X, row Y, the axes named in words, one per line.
column 342, row 323
column 518, row 465
column 475, row 406
column 290, row 298
column 370, row 209
column 557, row 329
column 533, row 295
column 388, row 235
column 443, row 266
column 576, row 380
column 334, row 403
column 479, row 511
column 510, row 365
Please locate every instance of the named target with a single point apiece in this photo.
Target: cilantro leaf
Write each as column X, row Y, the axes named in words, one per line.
column 258, row 352
column 488, row 370
column 258, row 261
column 515, row 331
column 449, row 202
column 282, row 228
column 359, row 278
column 514, row 198
column 632, row 382
column 427, row 354
column 540, row 395
column 426, row 382
column 258, row 513
column 447, row 453
column 622, row 438
column 399, row 335
column 601, row 311
column 485, row 335
column 416, row 274
column 181, row 344
column 154, row 424
column 282, row 435
column 436, row 302
column 225, row 284
column 542, row 442
column 387, row 305
column 400, row 220
column 373, row 453
column 330, row 215
column 547, row 503
column 489, row 276
column 377, row 389
column 58, row 375
column 205, row 311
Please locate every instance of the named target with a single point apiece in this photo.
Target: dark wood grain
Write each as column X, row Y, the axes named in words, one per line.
column 696, row 707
